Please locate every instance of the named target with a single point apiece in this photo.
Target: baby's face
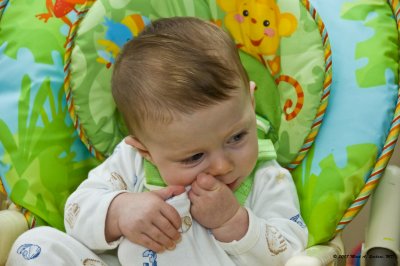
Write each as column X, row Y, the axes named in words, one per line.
column 220, row 141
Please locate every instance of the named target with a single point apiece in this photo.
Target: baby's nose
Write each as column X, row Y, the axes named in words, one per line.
column 220, row 166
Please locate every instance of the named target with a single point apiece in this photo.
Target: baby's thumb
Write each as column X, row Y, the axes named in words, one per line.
column 207, row 182
column 169, row 192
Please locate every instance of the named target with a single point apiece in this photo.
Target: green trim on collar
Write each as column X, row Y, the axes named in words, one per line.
column 153, row 177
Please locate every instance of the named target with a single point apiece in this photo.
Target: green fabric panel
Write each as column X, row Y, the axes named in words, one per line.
column 302, row 58
column 266, row 94
column 21, row 15
column 42, row 148
column 386, row 38
column 324, row 198
column 44, row 169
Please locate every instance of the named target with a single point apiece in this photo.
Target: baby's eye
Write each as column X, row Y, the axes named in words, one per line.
column 237, row 138
column 193, row 159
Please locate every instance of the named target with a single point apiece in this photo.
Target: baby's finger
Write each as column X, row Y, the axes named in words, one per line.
column 207, row 182
column 149, row 243
column 192, row 196
column 195, row 189
column 167, row 228
column 159, row 237
column 169, row 192
column 172, row 215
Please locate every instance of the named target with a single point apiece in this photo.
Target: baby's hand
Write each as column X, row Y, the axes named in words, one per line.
column 213, row 203
column 145, row 219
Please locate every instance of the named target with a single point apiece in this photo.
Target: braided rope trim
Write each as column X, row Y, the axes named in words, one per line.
column 70, row 43
column 326, row 89
column 385, row 155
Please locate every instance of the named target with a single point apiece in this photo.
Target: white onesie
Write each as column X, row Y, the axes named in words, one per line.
column 276, row 230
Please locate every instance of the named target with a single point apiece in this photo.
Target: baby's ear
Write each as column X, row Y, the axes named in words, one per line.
column 139, row 146
column 253, row 87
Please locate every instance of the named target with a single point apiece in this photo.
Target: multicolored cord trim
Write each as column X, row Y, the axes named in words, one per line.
column 326, row 88
column 67, row 80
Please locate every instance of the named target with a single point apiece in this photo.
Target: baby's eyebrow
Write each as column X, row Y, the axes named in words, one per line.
column 241, row 125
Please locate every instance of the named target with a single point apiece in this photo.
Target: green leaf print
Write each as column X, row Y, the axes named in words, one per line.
column 324, row 198
column 44, row 169
column 373, row 14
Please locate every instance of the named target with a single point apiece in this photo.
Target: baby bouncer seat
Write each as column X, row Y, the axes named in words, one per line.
column 327, row 81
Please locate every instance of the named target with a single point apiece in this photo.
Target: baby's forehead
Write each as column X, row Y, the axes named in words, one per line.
column 221, row 118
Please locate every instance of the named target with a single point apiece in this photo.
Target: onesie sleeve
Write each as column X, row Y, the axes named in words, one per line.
column 276, row 229
column 86, row 208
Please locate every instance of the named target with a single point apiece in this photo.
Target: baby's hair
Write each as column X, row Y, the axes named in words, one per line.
column 175, row 66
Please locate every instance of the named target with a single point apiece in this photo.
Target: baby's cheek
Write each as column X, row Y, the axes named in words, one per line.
column 251, row 156
column 188, row 180
column 180, row 179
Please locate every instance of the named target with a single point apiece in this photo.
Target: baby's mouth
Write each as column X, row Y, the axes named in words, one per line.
column 232, row 185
